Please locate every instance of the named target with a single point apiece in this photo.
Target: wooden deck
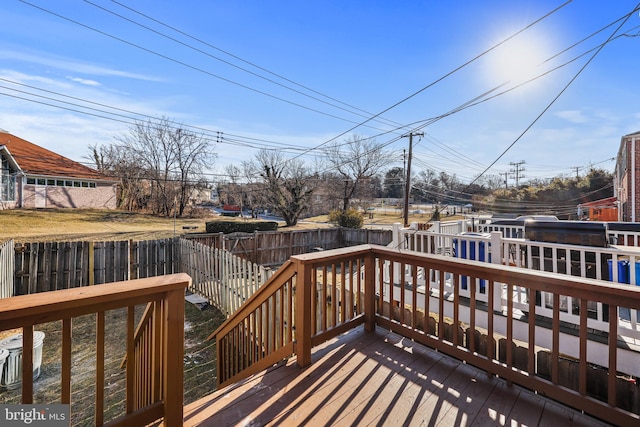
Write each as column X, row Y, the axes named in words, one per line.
column 378, row 379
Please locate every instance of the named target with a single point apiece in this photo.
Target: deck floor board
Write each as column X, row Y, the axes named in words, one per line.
column 378, row 379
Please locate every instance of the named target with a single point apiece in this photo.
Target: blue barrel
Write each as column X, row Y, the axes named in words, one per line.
column 460, row 250
column 624, row 276
column 623, row 271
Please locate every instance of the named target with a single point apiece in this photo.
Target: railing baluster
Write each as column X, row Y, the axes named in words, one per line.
column 414, row 295
column 335, row 302
column 99, row 401
column 531, row 320
column 456, row 306
column 131, row 371
column 65, row 376
column 472, row 316
column 490, row 318
column 403, row 285
column 613, row 354
column 509, row 321
column 582, row 364
column 343, row 292
column 27, row 364
column 441, row 302
column 555, row 346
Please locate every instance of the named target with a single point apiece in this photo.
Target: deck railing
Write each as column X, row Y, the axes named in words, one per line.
column 617, row 264
column 339, row 289
column 154, row 385
column 261, row 332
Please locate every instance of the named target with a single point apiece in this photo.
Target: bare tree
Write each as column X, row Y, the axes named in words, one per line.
column 112, row 161
column 286, row 186
column 160, row 163
column 357, row 160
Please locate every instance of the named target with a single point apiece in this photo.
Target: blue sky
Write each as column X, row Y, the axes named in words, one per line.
column 298, row 75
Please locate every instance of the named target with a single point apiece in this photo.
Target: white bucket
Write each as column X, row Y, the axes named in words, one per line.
column 11, row 377
column 3, row 356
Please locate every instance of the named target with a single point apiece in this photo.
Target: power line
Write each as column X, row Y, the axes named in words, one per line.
column 220, row 59
column 192, row 67
column 305, row 151
column 241, row 59
column 598, row 50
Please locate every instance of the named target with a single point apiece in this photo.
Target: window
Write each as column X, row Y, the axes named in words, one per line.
column 7, row 183
column 57, row 182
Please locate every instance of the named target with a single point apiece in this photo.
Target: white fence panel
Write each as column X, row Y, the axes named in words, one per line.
column 7, row 267
column 615, row 264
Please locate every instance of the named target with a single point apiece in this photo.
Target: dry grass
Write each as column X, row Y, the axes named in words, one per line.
column 92, row 224
column 39, row 225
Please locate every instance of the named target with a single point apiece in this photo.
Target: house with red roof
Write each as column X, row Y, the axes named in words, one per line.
column 34, row 177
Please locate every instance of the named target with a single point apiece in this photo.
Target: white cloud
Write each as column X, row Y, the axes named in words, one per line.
column 84, row 81
column 573, row 116
column 68, row 64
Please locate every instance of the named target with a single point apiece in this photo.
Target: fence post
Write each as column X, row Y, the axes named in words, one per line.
column 173, row 369
column 303, row 291
column 396, row 238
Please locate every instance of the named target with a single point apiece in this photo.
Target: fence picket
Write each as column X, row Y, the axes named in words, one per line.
column 7, row 267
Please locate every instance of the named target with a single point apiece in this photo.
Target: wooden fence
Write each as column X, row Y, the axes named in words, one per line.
column 6, row 269
column 273, row 248
column 226, row 269
column 41, row 267
column 226, row 280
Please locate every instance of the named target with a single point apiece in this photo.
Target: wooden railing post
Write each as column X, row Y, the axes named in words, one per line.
column 173, row 359
column 369, row 293
column 303, row 314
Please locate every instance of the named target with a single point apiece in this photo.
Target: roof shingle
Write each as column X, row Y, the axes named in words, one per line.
column 35, row 160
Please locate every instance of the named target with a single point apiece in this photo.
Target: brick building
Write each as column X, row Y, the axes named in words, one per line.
column 627, row 178
column 34, row 177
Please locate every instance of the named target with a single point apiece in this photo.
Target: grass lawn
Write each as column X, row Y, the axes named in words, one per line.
column 92, row 224
column 39, row 225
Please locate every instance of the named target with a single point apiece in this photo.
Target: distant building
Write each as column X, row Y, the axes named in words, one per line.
column 627, row 178
column 599, row 210
column 34, row 177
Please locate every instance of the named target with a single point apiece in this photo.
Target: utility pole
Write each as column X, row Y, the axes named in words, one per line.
column 407, row 187
column 577, row 168
column 506, row 176
column 517, row 169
